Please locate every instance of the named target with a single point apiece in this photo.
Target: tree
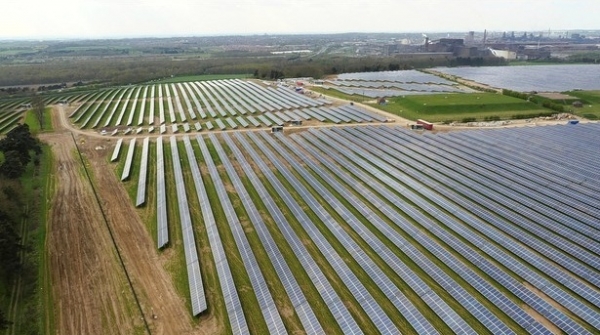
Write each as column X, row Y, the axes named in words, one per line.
column 37, row 102
column 12, row 167
column 9, row 246
column 20, row 140
column 4, row 323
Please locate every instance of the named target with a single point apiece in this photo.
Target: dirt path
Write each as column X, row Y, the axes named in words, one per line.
column 91, row 293
column 89, row 289
column 165, row 311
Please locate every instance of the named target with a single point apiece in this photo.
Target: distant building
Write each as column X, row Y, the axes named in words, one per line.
column 506, row 54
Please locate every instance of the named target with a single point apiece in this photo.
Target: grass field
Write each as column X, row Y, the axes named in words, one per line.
column 591, row 104
column 456, row 107
column 338, row 94
column 202, row 77
column 34, row 125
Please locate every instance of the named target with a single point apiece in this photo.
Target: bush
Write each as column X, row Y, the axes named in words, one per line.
column 468, row 119
column 492, row 118
column 531, row 116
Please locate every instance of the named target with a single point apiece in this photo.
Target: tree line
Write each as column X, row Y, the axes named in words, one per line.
column 538, row 100
column 18, row 149
column 131, row 70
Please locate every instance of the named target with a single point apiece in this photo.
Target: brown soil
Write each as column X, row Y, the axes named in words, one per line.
column 91, row 294
column 89, row 287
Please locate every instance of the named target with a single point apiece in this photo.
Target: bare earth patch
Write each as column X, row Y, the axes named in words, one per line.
column 91, row 293
column 89, row 288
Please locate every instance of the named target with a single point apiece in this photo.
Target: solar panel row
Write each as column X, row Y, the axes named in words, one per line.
column 265, row 300
column 381, row 320
column 141, row 191
column 129, row 160
column 553, row 314
column 237, row 320
column 305, row 313
column 162, row 228
column 197, row 297
column 344, row 319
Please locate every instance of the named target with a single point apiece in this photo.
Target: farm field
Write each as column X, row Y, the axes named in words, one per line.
column 358, row 230
column 456, row 107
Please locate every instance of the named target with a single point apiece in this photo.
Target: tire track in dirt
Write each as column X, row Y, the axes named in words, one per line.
column 164, row 310
column 89, row 289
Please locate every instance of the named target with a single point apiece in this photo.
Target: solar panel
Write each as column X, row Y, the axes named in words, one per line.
column 220, row 124
column 117, row 150
column 143, row 106
column 242, row 122
column 141, row 191
column 128, row 161
column 133, row 107
column 161, row 197
column 500, row 276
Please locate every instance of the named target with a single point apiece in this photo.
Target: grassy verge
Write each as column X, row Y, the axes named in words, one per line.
column 31, row 299
column 34, row 125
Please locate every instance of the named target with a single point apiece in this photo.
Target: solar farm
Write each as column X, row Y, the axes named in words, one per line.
column 393, row 83
column 373, row 229
column 340, row 222
column 206, row 105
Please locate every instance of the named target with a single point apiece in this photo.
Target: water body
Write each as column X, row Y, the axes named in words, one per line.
column 541, row 78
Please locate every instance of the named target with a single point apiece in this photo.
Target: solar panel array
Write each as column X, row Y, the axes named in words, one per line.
column 488, row 231
column 302, row 307
column 237, row 320
column 265, row 300
column 220, row 103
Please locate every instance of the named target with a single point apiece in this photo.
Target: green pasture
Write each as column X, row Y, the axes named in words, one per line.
column 591, row 104
column 456, row 107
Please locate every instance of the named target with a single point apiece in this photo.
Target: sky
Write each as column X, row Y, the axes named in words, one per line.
column 65, row 19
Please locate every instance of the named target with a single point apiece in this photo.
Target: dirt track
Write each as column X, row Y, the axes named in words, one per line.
column 91, row 293
column 89, row 288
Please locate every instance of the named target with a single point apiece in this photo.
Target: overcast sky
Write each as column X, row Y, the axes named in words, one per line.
column 39, row 19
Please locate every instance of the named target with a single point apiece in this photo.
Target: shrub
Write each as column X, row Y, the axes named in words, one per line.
column 492, row 118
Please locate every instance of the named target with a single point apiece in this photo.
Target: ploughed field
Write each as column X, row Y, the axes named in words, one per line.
column 377, row 229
